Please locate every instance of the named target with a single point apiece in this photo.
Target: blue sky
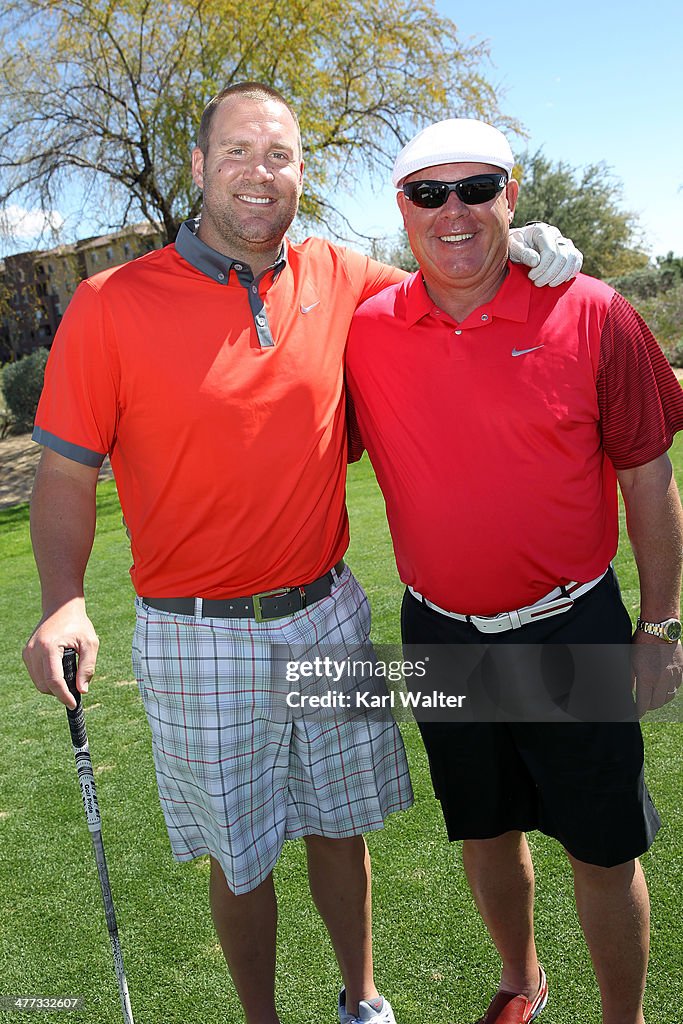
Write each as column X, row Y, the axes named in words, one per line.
column 590, row 82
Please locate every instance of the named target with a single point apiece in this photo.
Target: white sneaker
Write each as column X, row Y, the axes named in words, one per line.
column 370, row 1011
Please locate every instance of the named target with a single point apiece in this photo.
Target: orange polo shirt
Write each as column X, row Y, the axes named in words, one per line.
column 229, row 451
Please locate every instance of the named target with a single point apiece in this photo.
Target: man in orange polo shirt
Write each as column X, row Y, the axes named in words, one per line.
column 211, row 372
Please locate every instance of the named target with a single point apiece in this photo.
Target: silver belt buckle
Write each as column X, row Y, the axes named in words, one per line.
column 492, row 623
column 257, row 598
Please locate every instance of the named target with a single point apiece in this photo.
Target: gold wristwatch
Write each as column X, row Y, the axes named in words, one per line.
column 669, row 629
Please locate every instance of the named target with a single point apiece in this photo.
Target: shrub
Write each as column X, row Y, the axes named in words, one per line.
column 663, row 313
column 5, row 418
column 22, row 383
column 675, row 355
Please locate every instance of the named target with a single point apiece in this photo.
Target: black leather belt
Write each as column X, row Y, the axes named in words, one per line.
column 270, row 604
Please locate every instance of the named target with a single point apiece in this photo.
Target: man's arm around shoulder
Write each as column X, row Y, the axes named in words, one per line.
column 655, row 526
column 62, row 533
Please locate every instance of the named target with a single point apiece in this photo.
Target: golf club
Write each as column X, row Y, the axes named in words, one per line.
column 86, row 780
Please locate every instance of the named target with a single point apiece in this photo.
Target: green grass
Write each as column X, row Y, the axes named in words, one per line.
column 431, row 948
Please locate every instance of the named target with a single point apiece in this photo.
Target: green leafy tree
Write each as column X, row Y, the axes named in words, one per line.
column 104, row 96
column 584, row 205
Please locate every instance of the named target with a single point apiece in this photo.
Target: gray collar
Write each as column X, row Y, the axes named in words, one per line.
column 216, row 266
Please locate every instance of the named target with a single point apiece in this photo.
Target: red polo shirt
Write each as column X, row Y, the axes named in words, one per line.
column 494, row 440
column 229, row 456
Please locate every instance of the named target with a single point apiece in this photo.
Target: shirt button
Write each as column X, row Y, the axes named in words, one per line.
column 254, row 288
column 221, row 277
column 238, row 266
column 484, row 316
column 458, row 332
column 260, row 321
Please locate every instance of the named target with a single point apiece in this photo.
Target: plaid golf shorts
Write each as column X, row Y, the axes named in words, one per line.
column 238, row 771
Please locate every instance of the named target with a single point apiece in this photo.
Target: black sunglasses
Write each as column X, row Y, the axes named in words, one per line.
column 480, row 188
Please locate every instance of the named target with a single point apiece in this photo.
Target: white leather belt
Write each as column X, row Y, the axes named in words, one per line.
column 559, row 600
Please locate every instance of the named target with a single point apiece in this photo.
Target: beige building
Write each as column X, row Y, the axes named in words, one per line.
column 36, row 287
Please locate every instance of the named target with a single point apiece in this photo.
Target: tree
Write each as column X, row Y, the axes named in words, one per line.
column 397, row 252
column 105, row 95
column 583, row 204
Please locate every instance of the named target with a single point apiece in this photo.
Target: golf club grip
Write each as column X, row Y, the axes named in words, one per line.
column 76, row 717
column 79, row 741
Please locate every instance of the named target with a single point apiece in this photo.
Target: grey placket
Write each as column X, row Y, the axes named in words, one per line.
column 216, row 266
column 256, row 301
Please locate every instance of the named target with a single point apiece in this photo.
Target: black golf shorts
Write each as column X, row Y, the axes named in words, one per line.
column 580, row 782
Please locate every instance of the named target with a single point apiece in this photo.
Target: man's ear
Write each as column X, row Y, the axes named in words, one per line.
column 402, row 203
column 198, row 167
column 511, row 194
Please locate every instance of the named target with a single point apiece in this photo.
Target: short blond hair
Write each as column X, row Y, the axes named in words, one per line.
column 251, row 90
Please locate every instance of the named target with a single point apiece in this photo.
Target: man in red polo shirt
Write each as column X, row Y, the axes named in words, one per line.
column 211, row 372
column 498, row 419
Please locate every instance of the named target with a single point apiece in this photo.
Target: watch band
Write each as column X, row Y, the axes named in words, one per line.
column 668, row 629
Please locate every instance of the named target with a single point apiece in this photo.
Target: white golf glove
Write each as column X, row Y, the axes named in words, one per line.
column 554, row 259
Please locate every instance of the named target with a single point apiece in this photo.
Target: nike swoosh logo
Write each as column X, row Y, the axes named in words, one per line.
column 523, row 351
column 307, row 309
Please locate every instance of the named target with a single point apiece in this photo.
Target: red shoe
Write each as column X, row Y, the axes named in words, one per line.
column 508, row 1008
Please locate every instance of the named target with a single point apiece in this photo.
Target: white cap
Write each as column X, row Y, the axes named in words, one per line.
column 460, row 140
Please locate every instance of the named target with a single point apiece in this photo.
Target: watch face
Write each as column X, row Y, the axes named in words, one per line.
column 673, row 630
